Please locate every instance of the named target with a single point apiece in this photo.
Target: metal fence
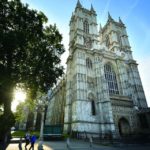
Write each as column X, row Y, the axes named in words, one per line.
column 111, row 138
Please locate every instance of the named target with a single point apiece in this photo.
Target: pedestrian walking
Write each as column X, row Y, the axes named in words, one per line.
column 33, row 139
column 27, row 140
column 20, row 144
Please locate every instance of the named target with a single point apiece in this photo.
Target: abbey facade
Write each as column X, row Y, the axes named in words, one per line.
column 102, row 90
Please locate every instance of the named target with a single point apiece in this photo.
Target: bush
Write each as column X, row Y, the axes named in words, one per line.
column 21, row 133
column 65, row 136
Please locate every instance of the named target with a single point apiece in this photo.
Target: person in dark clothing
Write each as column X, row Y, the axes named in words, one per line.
column 33, row 139
column 27, row 139
column 20, row 144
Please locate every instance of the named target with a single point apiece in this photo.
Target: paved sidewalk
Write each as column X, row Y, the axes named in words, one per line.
column 77, row 145
column 14, row 146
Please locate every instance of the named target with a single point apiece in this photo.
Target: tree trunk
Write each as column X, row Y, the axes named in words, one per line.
column 7, row 106
column 8, row 120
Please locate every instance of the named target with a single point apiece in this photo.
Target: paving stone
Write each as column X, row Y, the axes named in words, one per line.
column 77, row 145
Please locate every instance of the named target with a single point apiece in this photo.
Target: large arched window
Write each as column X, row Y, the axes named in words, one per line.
column 110, row 76
column 86, row 26
column 89, row 63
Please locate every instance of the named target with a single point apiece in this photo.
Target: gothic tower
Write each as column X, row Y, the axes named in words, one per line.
column 103, row 86
column 85, row 105
column 114, row 37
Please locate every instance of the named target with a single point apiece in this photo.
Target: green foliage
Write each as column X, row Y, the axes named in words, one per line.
column 21, row 133
column 36, row 133
column 18, row 133
column 25, row 110
column 20, row 112
column 65, row 136
column 29, row 51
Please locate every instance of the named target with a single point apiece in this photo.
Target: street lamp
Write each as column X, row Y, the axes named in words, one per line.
column 42, row 103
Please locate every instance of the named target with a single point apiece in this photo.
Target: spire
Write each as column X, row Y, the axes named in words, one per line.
column 92, row 9
column 79, row 4
column 72, row 16
column 120, row 21
column 109, row 17
column 100, row 27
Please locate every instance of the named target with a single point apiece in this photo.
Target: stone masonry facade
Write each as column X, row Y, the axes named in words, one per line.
column 102, row 89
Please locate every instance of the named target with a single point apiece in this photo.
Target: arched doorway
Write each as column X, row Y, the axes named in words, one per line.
column 124, row 127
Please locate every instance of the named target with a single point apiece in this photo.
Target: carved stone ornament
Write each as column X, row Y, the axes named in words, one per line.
column 87, row 42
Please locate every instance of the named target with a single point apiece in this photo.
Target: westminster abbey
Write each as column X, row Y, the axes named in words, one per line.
column 102, row 91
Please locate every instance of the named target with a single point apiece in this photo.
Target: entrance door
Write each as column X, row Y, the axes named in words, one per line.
column 124, row 127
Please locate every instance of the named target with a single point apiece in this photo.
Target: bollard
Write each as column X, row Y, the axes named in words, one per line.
column 91, row 142
column 40, row 146
column 68, row 143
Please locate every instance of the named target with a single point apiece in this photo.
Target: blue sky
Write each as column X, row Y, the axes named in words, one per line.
column 134, row 13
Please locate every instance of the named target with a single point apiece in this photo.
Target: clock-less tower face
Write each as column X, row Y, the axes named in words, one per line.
column 83, row 29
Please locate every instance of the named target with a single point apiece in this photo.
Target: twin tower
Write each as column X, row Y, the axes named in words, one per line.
column 103, row 91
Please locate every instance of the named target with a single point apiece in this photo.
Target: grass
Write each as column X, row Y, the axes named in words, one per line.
column 20, row 133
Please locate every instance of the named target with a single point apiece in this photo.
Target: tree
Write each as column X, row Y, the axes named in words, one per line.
column 20, row 115
column 24, row 114
column 29, row 51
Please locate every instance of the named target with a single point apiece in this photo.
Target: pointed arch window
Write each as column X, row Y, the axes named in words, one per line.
column 86, row 26
column 93, row 109
column 89, row 63
column 93, row 106
column 107, row 41
column 119, row 38
column 111, row 79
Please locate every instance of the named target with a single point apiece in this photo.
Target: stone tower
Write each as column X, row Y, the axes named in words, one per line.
column 103, row 86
